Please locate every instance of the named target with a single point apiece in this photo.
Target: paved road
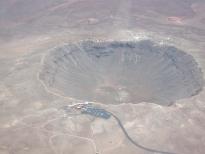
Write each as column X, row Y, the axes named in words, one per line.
column 117, row 119
column 134, row 142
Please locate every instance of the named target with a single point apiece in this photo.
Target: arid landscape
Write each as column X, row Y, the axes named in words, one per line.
column 102, row 76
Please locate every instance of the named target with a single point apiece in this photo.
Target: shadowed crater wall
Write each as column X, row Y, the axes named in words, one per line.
column 122, row 72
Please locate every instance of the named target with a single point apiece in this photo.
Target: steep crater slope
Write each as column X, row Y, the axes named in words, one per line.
column 122, row 72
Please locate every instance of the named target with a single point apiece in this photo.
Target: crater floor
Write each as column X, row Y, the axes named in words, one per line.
column 122, row 72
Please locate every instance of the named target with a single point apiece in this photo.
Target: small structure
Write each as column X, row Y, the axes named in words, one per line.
column 97, row 112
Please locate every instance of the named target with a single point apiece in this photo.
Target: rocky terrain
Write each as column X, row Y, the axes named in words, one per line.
column 122, row 72
column 142, row 62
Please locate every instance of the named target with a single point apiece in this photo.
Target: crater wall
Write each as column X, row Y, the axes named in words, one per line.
column 122, row 72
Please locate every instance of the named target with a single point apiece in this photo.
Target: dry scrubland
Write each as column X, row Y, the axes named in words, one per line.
column 55, row 53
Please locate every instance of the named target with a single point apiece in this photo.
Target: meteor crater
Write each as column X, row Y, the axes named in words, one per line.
column 122, row 72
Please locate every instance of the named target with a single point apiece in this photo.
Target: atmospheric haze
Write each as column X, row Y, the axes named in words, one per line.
column 102, row 76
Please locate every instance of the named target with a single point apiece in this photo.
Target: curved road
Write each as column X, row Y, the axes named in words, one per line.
column 117, row 119
column 134, row 142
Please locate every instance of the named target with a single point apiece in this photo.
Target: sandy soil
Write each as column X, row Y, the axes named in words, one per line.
column 31, row 116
